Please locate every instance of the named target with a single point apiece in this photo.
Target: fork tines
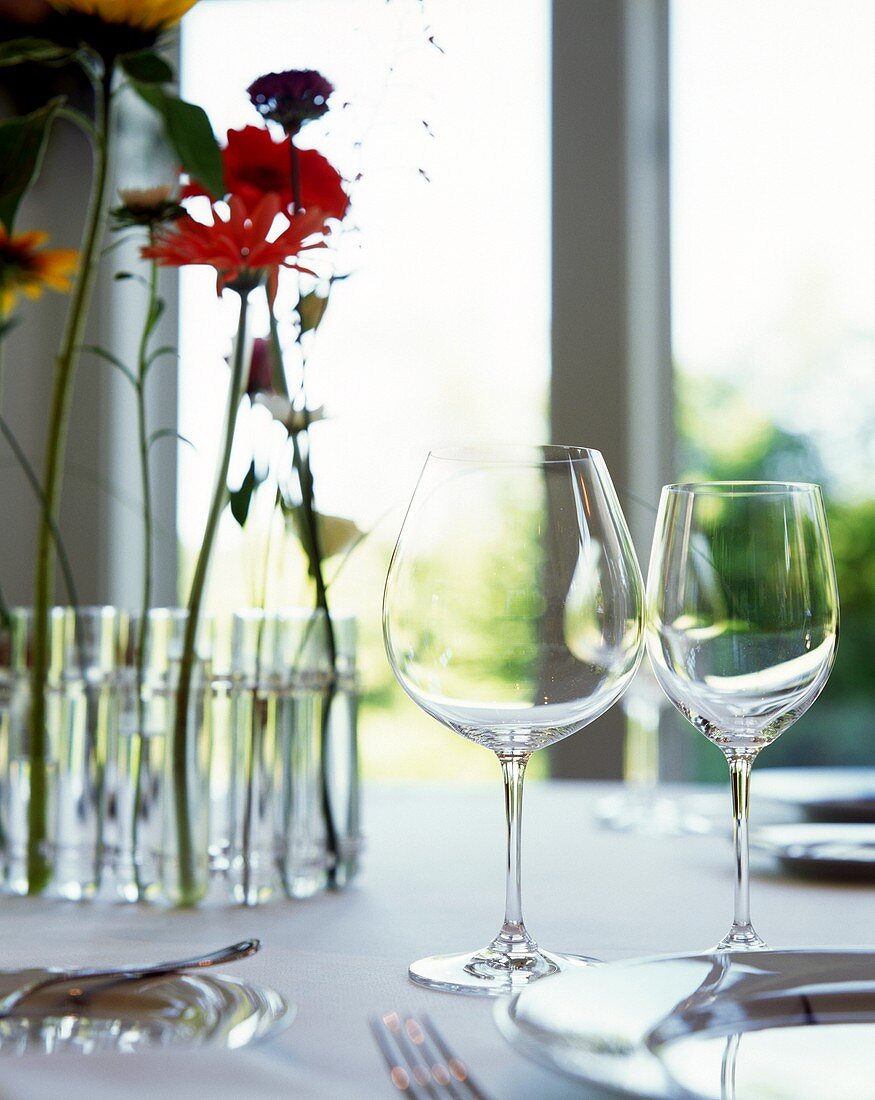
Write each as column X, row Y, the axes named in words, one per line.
column 419, row 1060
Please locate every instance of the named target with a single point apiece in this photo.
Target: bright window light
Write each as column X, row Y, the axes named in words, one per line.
column 441, row 335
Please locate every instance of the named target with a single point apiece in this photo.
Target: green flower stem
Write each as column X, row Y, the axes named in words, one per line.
column 257, row 723
column 3, row 320
column 302, row 465
column 4, row 609
column 313, row 546
column 301, row 460
column 305, row 474
column 146, row 598
column 311, row 541
column 324, row 785
column 38, row 866
column 277, row 374
column 145, row 478
column 189, row 892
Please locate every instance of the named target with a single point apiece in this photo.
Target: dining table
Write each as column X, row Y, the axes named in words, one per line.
column 431, row 880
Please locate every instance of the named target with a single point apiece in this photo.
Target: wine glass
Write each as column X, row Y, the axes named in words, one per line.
column 513, row 613
column 640, row 807
column 742, row 626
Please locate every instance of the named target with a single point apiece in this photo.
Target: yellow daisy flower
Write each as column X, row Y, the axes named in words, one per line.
column 145, row 15
column 27, row 270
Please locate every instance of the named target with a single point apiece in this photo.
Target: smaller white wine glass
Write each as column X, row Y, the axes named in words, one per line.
column 513, row 614
column 742, row 626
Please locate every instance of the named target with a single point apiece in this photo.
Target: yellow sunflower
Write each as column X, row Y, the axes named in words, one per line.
column 26, row 269
column 145, row 15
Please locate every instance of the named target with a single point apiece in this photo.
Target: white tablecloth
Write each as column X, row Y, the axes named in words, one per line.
column 432, row 882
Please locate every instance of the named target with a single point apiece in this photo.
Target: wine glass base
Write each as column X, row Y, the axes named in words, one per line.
column 643, row 812
column 489, row 973
column 742, row 941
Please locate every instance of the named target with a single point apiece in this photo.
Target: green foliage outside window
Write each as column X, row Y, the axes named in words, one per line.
column 721, row 436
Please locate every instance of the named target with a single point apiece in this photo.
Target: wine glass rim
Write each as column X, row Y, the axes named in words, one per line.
column 515, row 453
column 742, row 488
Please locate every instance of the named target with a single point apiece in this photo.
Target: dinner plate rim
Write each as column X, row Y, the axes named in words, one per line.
column 278, row 1012
column 538, row 1051
column 779, row 842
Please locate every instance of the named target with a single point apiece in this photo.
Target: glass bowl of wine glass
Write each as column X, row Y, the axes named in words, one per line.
column 742, row 626
column 512, row 614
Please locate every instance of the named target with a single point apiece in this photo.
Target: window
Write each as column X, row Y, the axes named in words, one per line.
column 442, row 333
column 773, row 290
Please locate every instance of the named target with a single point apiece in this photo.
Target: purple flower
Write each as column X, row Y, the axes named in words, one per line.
column 291, row 98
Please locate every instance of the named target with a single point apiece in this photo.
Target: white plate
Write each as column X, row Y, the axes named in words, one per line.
column 181, row 1009
column 820, row 794
column 834, row 851
column 787, row 1025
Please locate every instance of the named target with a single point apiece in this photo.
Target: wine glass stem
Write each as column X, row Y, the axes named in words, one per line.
column 727, row 1067
column 739, row 777
column 513, row 935
column 742, row 934
column 641, row 746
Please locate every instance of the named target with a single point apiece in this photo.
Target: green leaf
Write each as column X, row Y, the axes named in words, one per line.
column 189, row 132
column 155, row 314
column 121, row 276
column 241, row 498
column 7, row 324
column 120, row 241
column 22, row 145
column 296, row 522
column 5, row 618
column 336, row 534
column 34, row 482
column 158, row 353
column 113, row 360
column 311, row 309
column 147, row 67
column 167, row 433
column 21, row 50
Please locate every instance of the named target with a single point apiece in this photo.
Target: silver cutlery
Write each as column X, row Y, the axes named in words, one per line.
column 419, row 1060
column 47, row 978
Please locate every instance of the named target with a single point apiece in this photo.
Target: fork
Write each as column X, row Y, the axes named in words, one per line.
column 420, row 1062
column 119, row 974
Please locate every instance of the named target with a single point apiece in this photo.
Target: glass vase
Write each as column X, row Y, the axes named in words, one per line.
column 146, row 827
column 291, row 810
column 67, row 829
column 339, row 759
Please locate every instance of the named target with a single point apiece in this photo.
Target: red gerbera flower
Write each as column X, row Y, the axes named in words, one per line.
column 237, row 245
column 256, row 164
